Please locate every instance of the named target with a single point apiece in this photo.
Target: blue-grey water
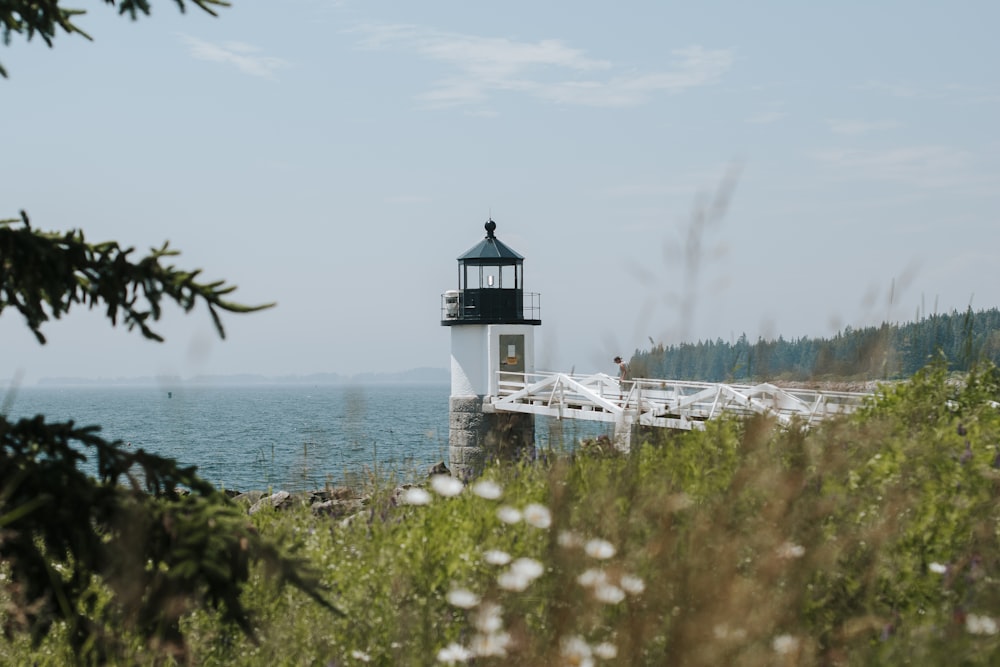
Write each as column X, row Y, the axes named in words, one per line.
column 274, row 436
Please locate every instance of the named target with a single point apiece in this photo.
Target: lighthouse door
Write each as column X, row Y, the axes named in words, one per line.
column 511, row 357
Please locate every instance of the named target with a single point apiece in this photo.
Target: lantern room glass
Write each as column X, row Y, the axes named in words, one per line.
column 490, row 276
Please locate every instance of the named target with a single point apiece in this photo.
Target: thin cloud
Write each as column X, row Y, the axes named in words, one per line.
column 901, row 90
column 924, row 166
column 547, row 69
column 950, row 93
column 855, row 128
column 241, row 55
column 766, row 117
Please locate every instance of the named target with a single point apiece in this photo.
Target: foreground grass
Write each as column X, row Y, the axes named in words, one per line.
column 869, row 541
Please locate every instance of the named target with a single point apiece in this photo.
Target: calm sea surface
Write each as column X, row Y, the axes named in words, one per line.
column 275, row 436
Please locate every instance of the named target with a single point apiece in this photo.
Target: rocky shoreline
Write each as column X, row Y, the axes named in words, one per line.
column 337, row 502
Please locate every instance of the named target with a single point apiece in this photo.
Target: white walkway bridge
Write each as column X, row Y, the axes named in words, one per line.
column 661, row 403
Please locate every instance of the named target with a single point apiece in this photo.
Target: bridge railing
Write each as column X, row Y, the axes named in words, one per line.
column 667, row 403
column 554, row 389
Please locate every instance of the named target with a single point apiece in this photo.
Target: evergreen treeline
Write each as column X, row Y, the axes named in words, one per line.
column 889, row 351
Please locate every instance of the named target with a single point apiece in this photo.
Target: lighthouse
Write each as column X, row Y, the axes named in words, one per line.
column 492, row 321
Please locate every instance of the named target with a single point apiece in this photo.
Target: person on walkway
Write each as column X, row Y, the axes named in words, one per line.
column 622, row 377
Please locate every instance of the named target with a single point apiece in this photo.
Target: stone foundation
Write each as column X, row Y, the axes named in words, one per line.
column 476, row 437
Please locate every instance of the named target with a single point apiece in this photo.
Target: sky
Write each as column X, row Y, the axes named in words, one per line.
column 671, row 172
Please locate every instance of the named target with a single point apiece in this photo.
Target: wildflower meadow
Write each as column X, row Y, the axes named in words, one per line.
column 869, row 540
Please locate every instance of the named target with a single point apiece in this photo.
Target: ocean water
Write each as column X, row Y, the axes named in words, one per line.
column 275, row 436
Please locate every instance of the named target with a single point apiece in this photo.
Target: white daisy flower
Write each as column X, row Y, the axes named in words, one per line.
column 493, row 644
column 592, row 577
column 790, row 550
column 528, row 567
column 446, row 485
column 508, row 514
column 598, row 548
column 632, row 584
column 576, row 651
column 606, row 651
column 415, row 496
column 513, row 581
column 496, row 557
column 538, row 516
column 453, row 653
column 785, row 644
column 462, row 598
column 489, row 619
column 608, row 594
column 487, row 489
column 980, row 625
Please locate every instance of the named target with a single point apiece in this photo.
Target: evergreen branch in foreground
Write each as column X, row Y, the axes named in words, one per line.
column 43, row 274
column 70, row 540
column 46, row 18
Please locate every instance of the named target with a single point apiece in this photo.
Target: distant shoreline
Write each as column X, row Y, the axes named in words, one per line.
column 415, row 376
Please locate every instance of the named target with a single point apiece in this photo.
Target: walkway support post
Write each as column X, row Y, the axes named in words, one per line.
column 623, row 432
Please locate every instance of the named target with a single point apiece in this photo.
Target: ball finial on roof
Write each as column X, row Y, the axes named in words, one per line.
column 490, row 228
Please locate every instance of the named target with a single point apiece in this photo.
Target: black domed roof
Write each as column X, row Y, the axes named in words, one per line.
column 490, row 250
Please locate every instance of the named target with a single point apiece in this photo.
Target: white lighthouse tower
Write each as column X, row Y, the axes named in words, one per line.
column 492, row 323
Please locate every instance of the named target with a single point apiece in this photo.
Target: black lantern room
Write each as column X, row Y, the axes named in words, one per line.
column 490, row 287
